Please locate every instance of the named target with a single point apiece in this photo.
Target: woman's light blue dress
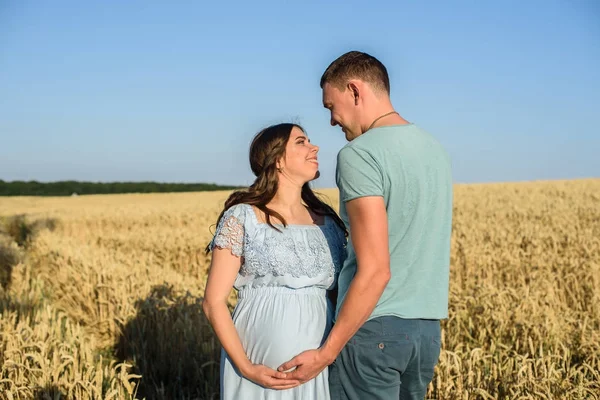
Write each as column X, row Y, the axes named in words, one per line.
column 282, row 307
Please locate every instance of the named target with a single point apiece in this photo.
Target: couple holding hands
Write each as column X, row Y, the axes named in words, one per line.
column 336, row 307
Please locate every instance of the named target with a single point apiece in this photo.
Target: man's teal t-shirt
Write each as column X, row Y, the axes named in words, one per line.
column 411, row 170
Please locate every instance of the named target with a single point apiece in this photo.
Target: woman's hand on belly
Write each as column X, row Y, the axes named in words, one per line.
column 268, row 378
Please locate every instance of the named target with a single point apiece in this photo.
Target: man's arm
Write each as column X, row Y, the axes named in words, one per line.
column 369, row 227
column 369, row 233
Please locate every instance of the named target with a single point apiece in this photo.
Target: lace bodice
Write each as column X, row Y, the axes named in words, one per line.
column 298, row 256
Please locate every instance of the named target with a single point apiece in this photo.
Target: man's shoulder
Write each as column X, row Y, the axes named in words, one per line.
column 355, row 151
column 375, row 142
column 408, row 140
column 367, row 143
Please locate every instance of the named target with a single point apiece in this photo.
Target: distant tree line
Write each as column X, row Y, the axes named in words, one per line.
column 68, row 188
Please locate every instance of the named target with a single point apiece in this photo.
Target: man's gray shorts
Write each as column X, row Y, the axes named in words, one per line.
column 388, row 358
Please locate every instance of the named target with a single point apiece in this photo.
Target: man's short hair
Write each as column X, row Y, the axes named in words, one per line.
column 356, row 65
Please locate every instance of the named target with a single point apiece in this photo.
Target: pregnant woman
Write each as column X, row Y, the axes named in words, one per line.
column 281, row 248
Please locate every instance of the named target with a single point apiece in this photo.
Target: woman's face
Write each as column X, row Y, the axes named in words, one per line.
column 300, row 160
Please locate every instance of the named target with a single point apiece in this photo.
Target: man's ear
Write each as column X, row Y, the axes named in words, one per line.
column 353, row 88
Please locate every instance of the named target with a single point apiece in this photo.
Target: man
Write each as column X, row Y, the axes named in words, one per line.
column 395, row 188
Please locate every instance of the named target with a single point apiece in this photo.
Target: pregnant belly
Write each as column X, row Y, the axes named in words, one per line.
column 278, row 324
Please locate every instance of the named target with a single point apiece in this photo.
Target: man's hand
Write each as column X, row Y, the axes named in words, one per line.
column 308, row 365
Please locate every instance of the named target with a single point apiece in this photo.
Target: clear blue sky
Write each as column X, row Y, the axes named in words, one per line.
column 174, row 90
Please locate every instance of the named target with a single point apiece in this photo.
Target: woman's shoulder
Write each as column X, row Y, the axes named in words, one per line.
column 337, row 229
column 240, row 207
column 241, row 212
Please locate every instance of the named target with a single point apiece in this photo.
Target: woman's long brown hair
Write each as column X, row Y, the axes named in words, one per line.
column 267, row 147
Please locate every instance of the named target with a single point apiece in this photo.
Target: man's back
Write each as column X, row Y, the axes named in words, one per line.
column 412, row 172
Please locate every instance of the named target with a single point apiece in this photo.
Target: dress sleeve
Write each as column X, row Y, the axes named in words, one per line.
column 230, row 231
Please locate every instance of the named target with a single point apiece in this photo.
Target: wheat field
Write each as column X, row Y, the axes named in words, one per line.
column 101, row 295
